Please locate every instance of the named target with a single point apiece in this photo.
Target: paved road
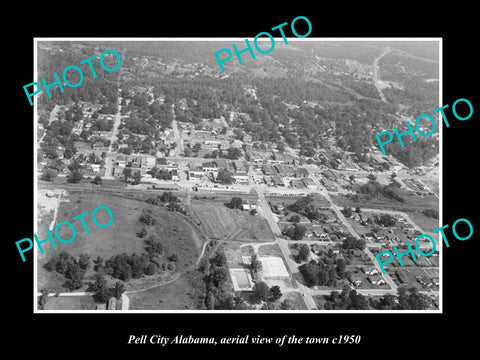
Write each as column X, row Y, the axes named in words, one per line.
column 52, row 117
column 292, row 267
column 110, row 155
column 176, row 133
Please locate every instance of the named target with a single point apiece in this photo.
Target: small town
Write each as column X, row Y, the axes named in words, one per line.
column 240, row 223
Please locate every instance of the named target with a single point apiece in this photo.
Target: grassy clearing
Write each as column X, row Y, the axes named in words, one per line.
column 186, row 293
column 70, row 303
column 427, row 224
column 220, row 222
column 273, row 250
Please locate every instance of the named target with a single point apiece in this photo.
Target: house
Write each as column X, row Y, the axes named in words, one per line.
column 376, row 280
column 370, row 270
column 355, row 280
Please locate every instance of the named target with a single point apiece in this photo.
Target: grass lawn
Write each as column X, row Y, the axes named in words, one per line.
column 70, row 303
column 427, row 224
column 186, row 293
column 219, row 222
column 269, row 250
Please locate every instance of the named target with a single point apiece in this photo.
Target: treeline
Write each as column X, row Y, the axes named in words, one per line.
column 73, row 269
column 326, row 270
column 91, row 90
column 374, row 189
column 218, row 292
column 349, row 299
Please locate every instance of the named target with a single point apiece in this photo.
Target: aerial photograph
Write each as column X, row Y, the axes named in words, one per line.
column 169, row 185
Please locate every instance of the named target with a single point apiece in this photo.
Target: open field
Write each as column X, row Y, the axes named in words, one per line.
column 219, row 222
column 70, row 303
column 427, row 224
column 175, row 233
column 186, row 293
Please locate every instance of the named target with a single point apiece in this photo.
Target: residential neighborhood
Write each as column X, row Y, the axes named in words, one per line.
column 228, row 184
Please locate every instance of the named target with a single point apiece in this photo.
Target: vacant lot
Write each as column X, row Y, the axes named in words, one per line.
column 219, row 222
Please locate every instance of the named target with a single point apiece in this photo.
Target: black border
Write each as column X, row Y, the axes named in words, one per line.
column 108, row 333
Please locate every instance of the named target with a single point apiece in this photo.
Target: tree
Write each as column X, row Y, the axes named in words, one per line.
column 372, row 177
column 352, row 178
column 341, row 265
column 310, row 272
column 74, row 274
column 261, row 290
column 304, row 252
column 358, row 210
column 197, row 147
column 224, row 177
column 147, row 217
column 219, row 259
column 118, row 289
column 386, row 220
column 49, row 174
column 255, row 265
column 101, row 291
column 127, row 173
column 137, row 177
column 84, row 261
column 431, row 213
column 151, row 269
column 296, row 232
column 347, row 211
column 233, row 153
column 294, row 219
column 235, row 203
column 187, row 151
column 98, row 180
column 274, row 293
column 75, row 177
column 286, row 305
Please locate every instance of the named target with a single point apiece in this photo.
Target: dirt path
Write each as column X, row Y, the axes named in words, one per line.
column 376, row 72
